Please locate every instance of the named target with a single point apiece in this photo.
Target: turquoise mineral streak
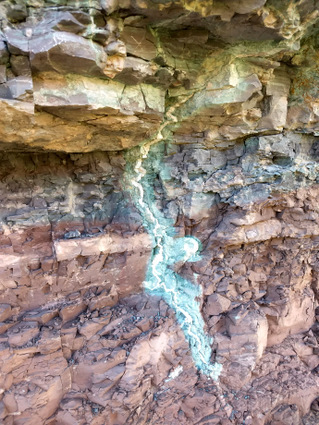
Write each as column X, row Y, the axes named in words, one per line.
column 180, row 294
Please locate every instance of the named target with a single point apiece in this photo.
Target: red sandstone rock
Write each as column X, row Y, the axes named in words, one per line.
column 70, row 312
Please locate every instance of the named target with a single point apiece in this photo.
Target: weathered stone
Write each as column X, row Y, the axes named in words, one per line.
column 70, row 312
column 216, row 304
column 20, row 88
column 42, row 317
column 5, row 312
column 17, row 41
column 66, row 53
column 3, row 74
column 20, row 65
column 139, row 42
column 174, row 127
column 4, row 56
column 22, row 333
column 91, row 328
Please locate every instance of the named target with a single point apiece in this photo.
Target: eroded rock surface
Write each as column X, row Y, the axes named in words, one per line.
column 125, row 124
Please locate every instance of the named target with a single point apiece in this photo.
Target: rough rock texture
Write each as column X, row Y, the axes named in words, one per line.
column 201, row 117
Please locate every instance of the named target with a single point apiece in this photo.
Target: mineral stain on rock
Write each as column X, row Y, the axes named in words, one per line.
column 180, row 294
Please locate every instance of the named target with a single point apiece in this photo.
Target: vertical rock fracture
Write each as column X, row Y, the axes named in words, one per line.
column 180, row 294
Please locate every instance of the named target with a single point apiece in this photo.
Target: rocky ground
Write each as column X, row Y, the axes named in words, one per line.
column 222, row 96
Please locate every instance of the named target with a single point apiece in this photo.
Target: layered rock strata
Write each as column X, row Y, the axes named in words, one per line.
column 159, row 218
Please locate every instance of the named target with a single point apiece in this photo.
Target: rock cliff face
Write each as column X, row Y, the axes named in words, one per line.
column 159, row 216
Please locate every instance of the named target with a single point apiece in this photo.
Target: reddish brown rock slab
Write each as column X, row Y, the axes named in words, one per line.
column 5, row 326
column 5, row 312
column 107, row 298
column 22, row 333
column 92, row 327
column 28, row 289
column 216, row 304
column 70, row 312
column 42, row 316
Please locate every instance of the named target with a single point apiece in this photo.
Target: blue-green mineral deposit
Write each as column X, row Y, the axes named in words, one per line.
column 180, row 294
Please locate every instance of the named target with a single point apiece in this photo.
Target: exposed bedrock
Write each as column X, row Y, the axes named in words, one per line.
column 159, row 214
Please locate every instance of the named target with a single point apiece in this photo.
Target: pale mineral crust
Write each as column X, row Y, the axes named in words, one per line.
column 227, row 93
